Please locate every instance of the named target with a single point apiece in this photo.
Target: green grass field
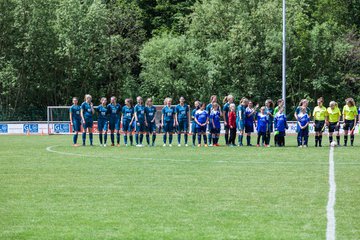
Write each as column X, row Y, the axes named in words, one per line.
column 173, row 193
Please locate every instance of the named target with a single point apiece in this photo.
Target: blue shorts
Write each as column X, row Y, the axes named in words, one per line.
column 193, row 127
column 183, row 126
column 88, row 123
column 151, row 127
column 126, row 127
column 201, row 129
column 215, row 130
column 103, row 125
column 114, row 124
column 76, row 125
column 240, row 125
column 249, row 128
column 140, row 127
column 168, row 127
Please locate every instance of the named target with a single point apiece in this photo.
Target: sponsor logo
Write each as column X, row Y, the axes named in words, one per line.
column 3, row 128
column 61, row 128
column 31, row 128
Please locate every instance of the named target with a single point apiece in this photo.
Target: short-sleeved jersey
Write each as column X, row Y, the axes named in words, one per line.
column 169, row 113
column 320, row 113
column 249, row 119
column 280, row 122
column 271, row 111
column 303, row 118
column 75, row 112
column 241, row 112
column 150, row 113
column 215, row 118
column 182, row 112
column 87, row 111
column 350, row 113
column 226, row 109
column 140, row 112
column 114, row 110
column 127, row 112
column 334, row 114
column 298, row 110
column 103, row 112
column 262, row 121
column 193, row 114
column 201, row 116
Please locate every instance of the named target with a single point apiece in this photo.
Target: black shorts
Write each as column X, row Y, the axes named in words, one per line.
column 333, row 127
column 349, row 125
column 319, row 126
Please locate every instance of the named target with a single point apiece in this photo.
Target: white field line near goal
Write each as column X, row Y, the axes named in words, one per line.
column 52, row 150
column 330, row 212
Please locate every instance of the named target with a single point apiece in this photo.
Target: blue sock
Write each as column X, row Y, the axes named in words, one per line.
column 91, row 138
column 153, row 138
column 164, row 138
column 137, row 138
column 205, row 140
column 186, row 138
column 170, row 138
column 118, row 138
column 112, row 137
column 179, row 138
column 209, row 138
column 131, row 139
column 125, row 138
column 84, row 137
column 199, row 139
column 105, row 138
column 141, row 138
column 100, row 138
column 74, row 139
column 148, row 139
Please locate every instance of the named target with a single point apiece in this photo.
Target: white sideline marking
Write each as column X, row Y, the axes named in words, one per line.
column 330, row 212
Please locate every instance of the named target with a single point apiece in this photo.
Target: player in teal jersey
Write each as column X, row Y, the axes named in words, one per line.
column 140, row 119
column 226, row 108
column 193, row 123
column 114, row 122
column 150, row 112
column 213, row 99
column 168, row 121
column 86, row 113
column 127, row 119
column 103, row 120
column 269, row 111
column 240, row 119
column 183, row 120
column 75, row 119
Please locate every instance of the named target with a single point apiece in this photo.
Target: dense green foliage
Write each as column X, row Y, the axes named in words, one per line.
column 173, row 193
column 52, row 50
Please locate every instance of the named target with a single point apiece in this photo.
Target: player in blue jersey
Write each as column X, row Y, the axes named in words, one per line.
column 168, row 121
column 280, row 124
column 103, row 121
column 215, row 123
column 213, row 99
column 250, row 113
column 86, row 113
column 262, row 126
column 226, row 108
column 269, row 111
column 127, row 119
column 240, row 119
column 201, row 119
column 183, row 120
column 75, row 119
column 140, row 119
column 303, row 120
column 280, row 104
column 114, row 122
column 150, row 112
column 193, row 123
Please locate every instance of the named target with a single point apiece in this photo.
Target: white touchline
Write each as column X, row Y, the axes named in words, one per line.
column 330, row 212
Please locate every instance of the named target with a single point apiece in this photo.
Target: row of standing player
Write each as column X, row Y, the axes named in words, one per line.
column 241, row 118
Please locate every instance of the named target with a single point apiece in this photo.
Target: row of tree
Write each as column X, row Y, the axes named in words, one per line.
column 52, row 50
